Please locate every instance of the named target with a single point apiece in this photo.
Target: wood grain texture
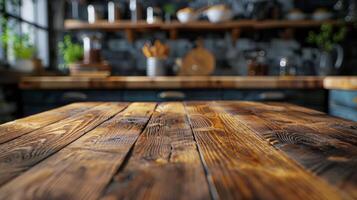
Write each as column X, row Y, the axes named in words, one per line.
column 243, row 166
column 341, row 83
column 165, row 163
column 23, row 126
column 192, row 150
column 335, row 139
column 20, row 154
column 83, row 169
column 172, row 82
column 324, row 145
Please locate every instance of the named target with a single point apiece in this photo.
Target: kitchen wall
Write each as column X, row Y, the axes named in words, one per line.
column 126, row 58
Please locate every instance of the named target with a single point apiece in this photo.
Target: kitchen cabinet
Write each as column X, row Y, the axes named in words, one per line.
column 343, row 103
column 310, row 98
column 342, row 96
column 35, row 101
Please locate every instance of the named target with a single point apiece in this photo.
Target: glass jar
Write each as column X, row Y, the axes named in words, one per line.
column 257, row 65
column 286, row 67
column 92, row 47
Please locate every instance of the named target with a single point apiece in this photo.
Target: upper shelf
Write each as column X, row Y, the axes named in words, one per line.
column 198, row 25
column 105, row 25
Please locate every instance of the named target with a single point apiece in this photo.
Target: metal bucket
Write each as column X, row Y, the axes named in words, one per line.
column 155, row 67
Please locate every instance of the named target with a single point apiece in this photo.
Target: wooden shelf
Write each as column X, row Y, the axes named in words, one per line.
column 198, row 25
column 105, row 25
column 241, row 24
column 174, row 27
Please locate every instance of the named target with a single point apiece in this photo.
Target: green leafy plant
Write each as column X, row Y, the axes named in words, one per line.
column 327, row 37
column 23, row 48
column 21, row 44
column 169, row 8
column 5, row 36
column 70, row 51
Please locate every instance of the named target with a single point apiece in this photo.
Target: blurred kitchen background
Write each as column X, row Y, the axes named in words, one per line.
column 197, row 37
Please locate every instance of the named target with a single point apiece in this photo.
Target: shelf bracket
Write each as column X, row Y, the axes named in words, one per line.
column 173, row 34
column 130, row 36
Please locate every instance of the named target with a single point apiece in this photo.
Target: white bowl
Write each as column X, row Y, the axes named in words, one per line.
column 322, row 16
column 296, row 16
column 185, row 17
column 219, row 15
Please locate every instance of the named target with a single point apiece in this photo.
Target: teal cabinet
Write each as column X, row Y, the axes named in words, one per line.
column 343, row 103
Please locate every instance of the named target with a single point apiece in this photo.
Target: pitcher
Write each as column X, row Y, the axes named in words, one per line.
column 330, row 61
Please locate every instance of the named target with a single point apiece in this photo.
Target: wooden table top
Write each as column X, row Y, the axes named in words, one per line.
column 173, row 82
column 174, row 150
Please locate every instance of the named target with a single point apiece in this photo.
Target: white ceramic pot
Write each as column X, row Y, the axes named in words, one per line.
column 25, row 66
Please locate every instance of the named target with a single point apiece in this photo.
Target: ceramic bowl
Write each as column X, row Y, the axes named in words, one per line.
column 186, row 17
column 321, row 16
column 216, row 15
column 296, row 16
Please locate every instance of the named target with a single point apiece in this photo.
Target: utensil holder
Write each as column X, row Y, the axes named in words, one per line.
column 155, row 67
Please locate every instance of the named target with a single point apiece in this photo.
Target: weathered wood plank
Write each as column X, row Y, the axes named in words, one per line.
column 23, row 126
column 165, row 163
column 20, row 154
column 243, row 166
column 335, row 141
column 333, row 127
column 315, row 144
column 83, row 169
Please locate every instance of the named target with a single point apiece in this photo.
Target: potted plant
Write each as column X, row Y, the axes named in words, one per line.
column 25, row 54
column 72, row 53
column 169, row 10
column 20, row 48
column 23, row 51
column 327, row 40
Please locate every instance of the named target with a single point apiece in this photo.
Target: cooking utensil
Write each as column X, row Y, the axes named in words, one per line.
column 157, row 50
column 198, row 61
column 156, row 55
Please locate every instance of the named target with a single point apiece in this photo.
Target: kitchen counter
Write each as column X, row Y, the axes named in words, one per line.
column 342, row 96
column 189, row 150
column 43, row 93
column 174, row 82
column 341, row 83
